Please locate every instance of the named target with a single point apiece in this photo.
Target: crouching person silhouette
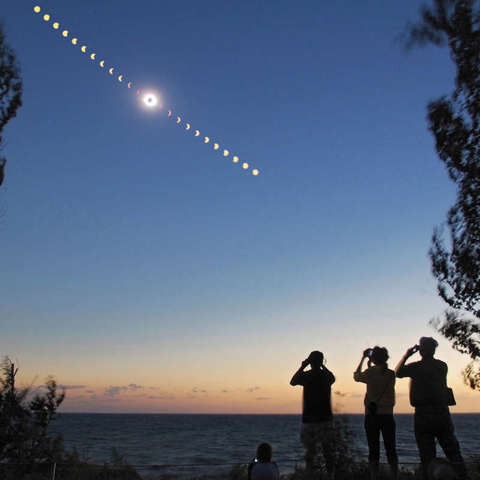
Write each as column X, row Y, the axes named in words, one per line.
column 317, row 433
column 262, row 468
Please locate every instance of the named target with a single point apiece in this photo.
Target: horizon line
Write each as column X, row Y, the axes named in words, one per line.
column 239, row 414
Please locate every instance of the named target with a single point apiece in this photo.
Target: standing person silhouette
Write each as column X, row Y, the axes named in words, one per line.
column 379, row 402
column 317, row 432
column 429, row 396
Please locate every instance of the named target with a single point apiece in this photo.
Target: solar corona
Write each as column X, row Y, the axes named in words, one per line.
column 149, row 99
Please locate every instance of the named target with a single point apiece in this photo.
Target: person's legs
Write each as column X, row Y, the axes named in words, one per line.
column 372, row 429
column 388, row 429
column 448, row 441
column 329, row 442
column 308, row 441
column 315, row 436
column 425, row 439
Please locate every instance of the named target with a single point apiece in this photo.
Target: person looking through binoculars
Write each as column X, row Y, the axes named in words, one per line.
column 379, row 402
column 431, row 397
column 317, row 432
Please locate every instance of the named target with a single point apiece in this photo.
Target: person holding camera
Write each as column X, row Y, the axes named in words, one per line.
column 317, row 418
column 262, row 467
column 379, row 402
column 431, row 397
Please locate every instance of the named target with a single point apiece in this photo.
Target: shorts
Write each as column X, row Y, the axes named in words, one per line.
column 317, row 433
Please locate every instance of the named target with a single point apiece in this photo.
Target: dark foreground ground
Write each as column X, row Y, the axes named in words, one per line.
column 86, row 471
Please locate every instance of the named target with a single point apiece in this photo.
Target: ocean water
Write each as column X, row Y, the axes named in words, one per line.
column 189, row 445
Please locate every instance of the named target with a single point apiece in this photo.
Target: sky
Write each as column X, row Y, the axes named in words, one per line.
column 148, row 273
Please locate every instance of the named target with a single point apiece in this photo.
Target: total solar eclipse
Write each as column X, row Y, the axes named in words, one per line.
column 150, row 100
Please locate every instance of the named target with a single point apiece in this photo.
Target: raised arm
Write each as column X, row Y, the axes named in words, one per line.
column 357, row 374
column 330, row 374
column 401, row 370
column 297, row 375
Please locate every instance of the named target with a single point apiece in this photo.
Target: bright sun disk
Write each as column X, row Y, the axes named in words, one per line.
column 150, row 100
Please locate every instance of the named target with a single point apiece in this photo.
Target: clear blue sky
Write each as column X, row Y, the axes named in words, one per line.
column 125, row 239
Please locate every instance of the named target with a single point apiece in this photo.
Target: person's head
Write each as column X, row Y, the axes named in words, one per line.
column 379, row 355
column 264, row 452
column 316, row 359
column 441, row 469
column 427, row 347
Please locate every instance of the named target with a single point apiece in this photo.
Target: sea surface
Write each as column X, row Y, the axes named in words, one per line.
column 189, row 445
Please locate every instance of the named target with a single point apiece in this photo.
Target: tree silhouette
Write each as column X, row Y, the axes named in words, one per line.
column 24, row 439
column 10, row 91
column 455, row 124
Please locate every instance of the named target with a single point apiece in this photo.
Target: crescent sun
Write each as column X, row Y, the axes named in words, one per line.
column 197, row 133
column 187, row 127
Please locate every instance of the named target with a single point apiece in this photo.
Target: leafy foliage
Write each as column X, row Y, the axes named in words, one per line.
column 24, row 439
column 464, row 334
column 455, row 124
column 28, row 452
column 10, row 90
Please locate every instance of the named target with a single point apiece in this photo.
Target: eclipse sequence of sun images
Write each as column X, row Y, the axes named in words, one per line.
column 149, row 99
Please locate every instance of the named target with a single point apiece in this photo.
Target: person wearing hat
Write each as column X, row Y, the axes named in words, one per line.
column 429, row 395
column 379, row 402
column 317, row 418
